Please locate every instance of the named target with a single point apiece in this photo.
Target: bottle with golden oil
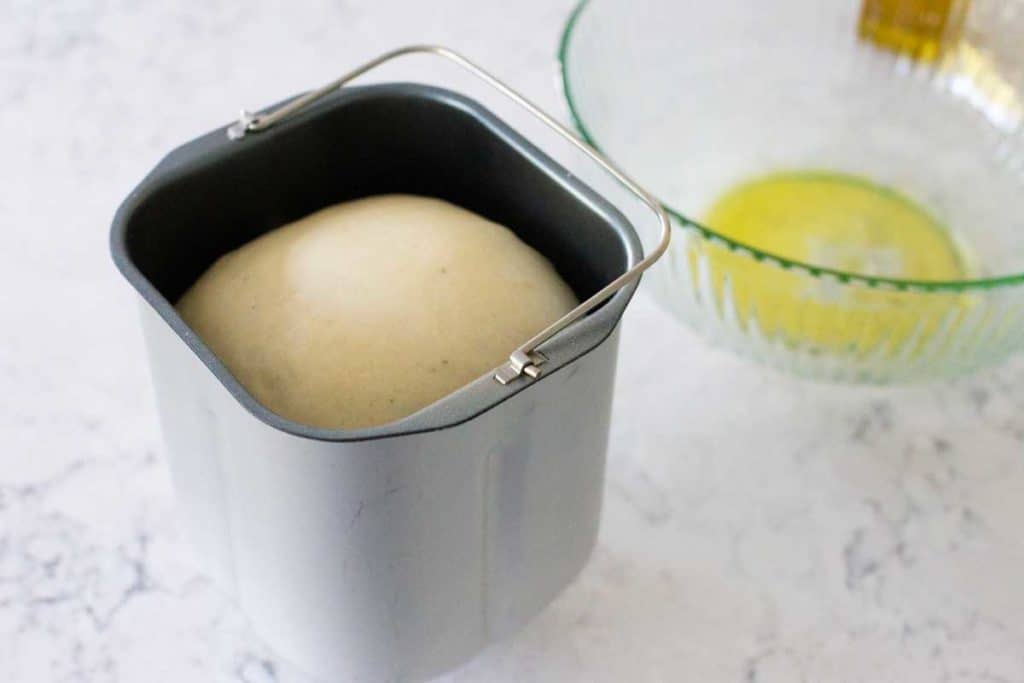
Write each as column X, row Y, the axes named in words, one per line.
column 920, row 29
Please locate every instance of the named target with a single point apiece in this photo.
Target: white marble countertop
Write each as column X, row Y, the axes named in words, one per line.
column 756, row 528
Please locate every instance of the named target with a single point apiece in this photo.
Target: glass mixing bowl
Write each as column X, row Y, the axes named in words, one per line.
column 693, row 99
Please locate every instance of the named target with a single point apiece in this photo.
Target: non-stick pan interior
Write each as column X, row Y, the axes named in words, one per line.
column 213, row 195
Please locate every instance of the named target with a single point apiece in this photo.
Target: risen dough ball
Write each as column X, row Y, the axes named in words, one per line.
column 369, row 310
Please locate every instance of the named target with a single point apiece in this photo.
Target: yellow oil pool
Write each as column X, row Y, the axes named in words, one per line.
column 840, row 222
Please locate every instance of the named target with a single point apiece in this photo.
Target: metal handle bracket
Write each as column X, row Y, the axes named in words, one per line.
column 526, row 360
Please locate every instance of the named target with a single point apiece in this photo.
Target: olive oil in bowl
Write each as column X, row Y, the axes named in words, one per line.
column 836, row 222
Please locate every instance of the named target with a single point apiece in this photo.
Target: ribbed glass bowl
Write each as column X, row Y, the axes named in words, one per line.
column 692, row 98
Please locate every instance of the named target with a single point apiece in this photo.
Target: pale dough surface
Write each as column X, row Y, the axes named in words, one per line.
column 369, row 310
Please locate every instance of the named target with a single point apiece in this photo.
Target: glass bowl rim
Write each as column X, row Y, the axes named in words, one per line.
column 845, row 277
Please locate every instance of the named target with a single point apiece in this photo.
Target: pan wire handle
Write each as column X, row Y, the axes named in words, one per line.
column 526, row 361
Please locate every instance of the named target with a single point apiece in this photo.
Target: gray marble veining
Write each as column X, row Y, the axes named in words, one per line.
column 756, row 528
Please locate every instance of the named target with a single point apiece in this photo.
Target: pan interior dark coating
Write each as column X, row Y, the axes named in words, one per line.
column 388, row 144
column 212, row 195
